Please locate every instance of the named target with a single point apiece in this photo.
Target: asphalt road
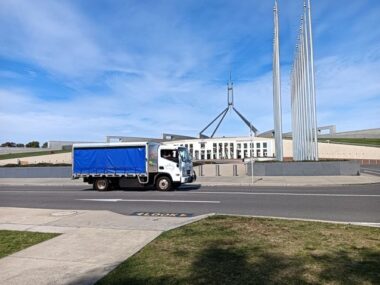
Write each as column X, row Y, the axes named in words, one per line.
column 359, row 203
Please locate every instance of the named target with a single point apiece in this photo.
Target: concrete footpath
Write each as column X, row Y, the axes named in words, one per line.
column 91, row 244
column 269, row 181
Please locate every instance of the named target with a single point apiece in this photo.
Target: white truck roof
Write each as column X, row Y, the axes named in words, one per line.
column 113, row 144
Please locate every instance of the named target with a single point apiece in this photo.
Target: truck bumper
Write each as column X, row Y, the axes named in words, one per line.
column 189, row 179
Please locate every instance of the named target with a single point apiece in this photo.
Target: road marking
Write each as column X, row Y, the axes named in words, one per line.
column 155, row 201
column 290, row 194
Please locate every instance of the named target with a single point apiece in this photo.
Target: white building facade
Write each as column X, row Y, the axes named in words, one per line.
column 228, row 147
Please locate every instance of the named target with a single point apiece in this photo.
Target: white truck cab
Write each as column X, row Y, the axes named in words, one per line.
column 177, row 162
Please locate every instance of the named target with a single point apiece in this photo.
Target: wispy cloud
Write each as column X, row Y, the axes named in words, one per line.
column 81, row 70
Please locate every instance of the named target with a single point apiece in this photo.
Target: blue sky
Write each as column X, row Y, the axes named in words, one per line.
column 81, row 70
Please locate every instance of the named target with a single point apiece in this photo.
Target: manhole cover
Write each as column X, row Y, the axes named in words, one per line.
column 64, row 213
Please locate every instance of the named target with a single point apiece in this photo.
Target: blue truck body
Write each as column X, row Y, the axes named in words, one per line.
column 123, row 160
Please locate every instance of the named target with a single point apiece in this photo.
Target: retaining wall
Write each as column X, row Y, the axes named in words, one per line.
column 320, row 168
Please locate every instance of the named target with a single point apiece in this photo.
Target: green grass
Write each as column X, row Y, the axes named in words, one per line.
column 238, row 250
column 29, row 154
column 363, row 142
column 13, row 241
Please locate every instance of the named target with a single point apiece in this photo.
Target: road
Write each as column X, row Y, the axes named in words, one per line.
column 360, row 203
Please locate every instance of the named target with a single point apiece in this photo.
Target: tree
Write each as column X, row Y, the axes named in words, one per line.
column 9, row 144
column 45, row 145
column 35, row 144
column 20, row 145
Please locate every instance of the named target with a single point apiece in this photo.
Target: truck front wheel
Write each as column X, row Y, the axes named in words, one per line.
column 102, row 184
column 163, row 183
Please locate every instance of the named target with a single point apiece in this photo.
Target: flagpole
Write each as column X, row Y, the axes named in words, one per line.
column 277, row 110
column 312, row 77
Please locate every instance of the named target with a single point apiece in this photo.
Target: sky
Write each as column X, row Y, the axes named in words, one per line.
column 84, row 69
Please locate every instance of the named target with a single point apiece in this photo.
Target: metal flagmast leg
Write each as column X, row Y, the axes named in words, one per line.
column 226, row 109
column 245, row 120
column 221, row 120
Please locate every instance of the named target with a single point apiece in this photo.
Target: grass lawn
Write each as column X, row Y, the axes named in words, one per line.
column 355, row 141
column 238, row 250
column 12, row 241
column 29, row 154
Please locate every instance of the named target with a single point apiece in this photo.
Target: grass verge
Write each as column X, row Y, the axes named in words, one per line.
column 29, row 154
column 239, row 250
column 13, row 241
column 353, row 141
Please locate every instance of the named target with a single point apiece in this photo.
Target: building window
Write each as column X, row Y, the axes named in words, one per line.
column 197, row 155
column 265, row 145
column 257, row 145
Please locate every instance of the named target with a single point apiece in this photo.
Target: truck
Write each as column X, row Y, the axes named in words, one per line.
column 132, row 164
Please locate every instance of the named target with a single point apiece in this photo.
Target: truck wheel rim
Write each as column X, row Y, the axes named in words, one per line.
column 101, row 184
column 163, row 184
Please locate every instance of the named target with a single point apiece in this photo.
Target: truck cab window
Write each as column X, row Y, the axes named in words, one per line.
column 170, row 154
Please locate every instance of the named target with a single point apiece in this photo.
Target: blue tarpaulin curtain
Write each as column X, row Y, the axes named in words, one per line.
column 125, row 160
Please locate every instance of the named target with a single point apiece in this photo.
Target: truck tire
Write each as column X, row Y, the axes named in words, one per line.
column 101, row 184
column 164, row 183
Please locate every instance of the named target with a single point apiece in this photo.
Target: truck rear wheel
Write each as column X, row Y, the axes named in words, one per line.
column 102, row 184
column 164, row 183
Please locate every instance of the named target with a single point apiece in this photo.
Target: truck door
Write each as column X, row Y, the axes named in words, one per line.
column 169, row 162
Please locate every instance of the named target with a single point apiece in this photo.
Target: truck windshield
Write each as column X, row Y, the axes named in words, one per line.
column 184, row 154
